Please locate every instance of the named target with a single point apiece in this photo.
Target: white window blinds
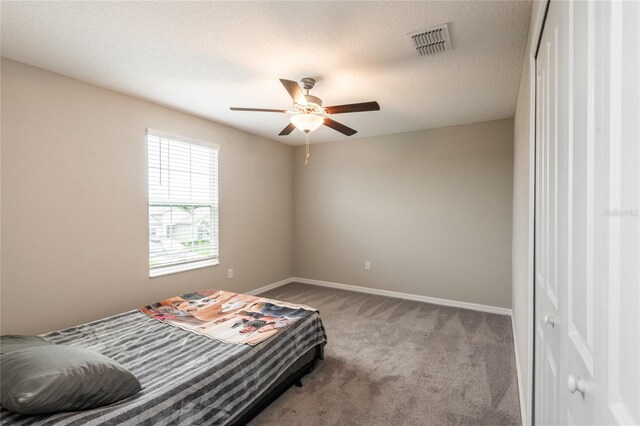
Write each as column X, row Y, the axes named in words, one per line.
column 183, row 203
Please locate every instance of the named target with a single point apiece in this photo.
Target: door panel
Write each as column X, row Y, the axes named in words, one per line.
column 585, row 175
column 549, row 202
column 581, row 184
column 623, row 328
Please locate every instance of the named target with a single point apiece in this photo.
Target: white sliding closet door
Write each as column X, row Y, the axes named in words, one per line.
column 587, row 282
column 551, row 130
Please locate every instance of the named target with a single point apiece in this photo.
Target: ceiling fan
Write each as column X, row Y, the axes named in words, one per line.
column 308, row 112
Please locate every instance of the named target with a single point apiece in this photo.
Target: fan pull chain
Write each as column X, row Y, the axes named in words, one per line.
column 306, row 159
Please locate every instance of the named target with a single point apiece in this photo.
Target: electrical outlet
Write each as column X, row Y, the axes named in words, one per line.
column 367, row 264
column 230, row 273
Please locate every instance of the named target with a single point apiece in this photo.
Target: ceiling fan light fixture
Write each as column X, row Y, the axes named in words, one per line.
column 309, row 112
column 307, row 122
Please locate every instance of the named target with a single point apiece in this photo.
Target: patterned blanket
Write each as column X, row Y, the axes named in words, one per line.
column 226, row 316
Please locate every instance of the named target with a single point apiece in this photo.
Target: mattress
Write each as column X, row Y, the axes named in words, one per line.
column 186, row 378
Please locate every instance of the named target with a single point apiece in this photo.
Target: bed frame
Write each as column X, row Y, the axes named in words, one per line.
column 292, row 376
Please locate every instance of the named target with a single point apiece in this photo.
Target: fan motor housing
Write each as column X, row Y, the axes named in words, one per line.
column 313, row 100
column 313, row 106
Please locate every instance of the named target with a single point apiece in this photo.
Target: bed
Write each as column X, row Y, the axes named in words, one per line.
column 187, row 378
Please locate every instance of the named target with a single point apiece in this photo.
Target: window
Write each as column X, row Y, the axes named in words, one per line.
column 183, row 203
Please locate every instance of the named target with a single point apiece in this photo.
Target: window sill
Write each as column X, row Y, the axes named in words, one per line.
column 174, row 269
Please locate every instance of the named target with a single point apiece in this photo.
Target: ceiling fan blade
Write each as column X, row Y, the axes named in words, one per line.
column 287, row 130
column 363, row 106
column 257, row 109
column 295, row 91
column 339, row 127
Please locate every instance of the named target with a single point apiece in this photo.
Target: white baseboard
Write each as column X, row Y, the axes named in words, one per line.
column 521, row 393
column 407, row 296
column 379, row 292
column 270, row 286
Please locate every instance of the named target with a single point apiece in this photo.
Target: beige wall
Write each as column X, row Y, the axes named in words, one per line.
column 431, row 210
column 74, row 203
column 522, row 255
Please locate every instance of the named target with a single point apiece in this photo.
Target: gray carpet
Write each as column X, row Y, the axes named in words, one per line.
column 398, row 362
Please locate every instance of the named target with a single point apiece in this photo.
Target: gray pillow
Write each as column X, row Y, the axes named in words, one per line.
column 14, row 343
column 53, row 378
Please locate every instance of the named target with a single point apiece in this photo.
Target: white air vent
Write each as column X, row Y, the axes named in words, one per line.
column 431, row 40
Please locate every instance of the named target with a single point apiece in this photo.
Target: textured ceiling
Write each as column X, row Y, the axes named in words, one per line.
column 203, row 57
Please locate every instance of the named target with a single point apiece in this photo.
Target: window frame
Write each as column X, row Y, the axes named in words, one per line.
column 215, row 206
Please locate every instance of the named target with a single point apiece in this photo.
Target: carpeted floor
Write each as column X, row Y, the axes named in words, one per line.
column 398, row 362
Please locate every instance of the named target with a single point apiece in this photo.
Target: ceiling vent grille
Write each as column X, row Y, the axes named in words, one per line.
column 431, row 40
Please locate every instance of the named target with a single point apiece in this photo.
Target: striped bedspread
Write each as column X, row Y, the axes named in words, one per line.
column 187, row 379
